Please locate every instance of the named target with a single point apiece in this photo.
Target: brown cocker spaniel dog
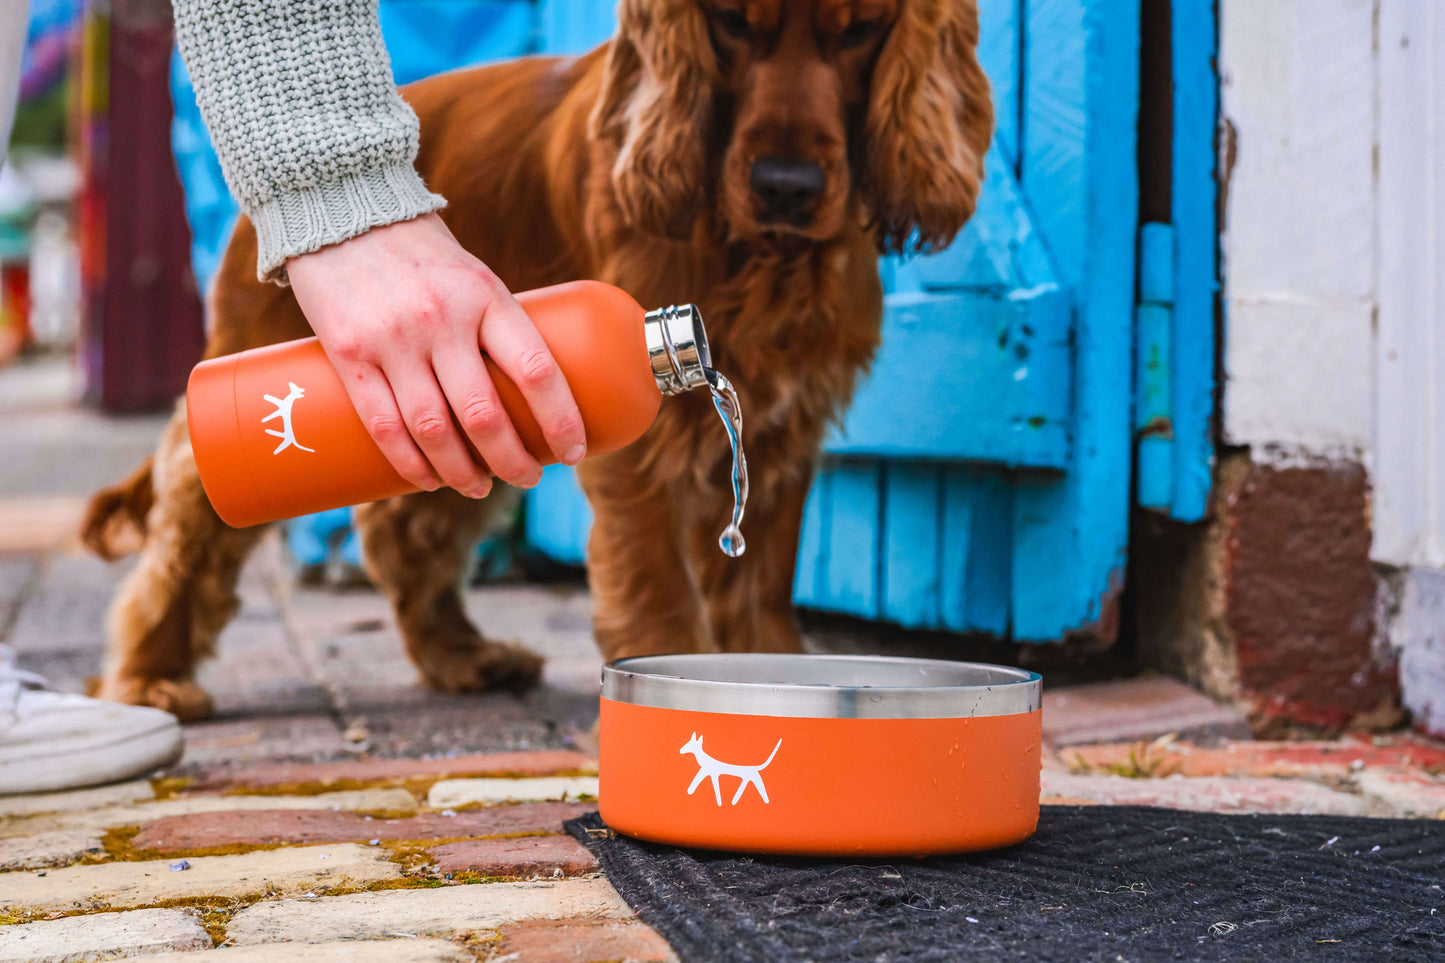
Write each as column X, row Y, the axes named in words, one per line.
column 752, row 156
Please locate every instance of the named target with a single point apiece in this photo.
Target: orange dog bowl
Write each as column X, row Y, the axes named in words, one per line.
column 820, row 755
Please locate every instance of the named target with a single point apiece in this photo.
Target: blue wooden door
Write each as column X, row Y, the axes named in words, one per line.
column 988, row 491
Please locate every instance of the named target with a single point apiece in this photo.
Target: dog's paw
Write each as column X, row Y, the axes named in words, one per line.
column 182, row 698
column 483, row 667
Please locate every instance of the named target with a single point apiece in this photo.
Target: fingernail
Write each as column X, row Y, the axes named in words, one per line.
column 575, row 454
column 481, row 491
column 432, row 484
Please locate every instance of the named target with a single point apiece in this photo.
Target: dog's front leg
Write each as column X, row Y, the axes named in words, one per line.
column 416, row 549
column 644, row 599
column 169, row 611
column 748, row 600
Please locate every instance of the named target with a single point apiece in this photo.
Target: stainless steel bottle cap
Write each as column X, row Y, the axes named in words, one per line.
column 677, row 348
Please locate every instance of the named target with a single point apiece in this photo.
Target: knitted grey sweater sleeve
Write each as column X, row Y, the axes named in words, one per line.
column 314, row 140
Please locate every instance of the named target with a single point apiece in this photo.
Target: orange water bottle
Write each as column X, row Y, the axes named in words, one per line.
column 275, row 434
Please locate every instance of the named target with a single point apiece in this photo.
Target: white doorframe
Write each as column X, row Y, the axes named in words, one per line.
column 1409, row 449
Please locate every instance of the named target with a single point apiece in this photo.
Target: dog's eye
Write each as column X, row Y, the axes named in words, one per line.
column 733, row 23
column 859, row 32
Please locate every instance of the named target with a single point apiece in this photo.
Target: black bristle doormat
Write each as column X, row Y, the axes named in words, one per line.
column 1115, row 883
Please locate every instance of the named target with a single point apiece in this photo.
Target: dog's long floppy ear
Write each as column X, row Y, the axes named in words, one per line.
column 654, row 108
column 929, row 122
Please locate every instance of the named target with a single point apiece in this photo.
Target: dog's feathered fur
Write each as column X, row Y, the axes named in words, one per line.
column 628, row 165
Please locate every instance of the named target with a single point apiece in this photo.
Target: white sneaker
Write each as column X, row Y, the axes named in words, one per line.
column 52, row 740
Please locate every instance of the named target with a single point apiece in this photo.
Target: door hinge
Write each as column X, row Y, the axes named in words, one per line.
column 1154, row 365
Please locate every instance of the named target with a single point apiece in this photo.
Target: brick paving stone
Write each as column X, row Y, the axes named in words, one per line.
column 1320, row 759
column 363, row 800
column 16, row 576
column 246, row 742
column 73, row 800
column 264, row 578
column 554, row 620
column 1205, row 794
column 1066, row 801
column 44, row 382
column 258, row 671
column 365, row 662
column 491, row 722
column 444, row 912
column 40, row 523
column 1423, row 751
column 44, row 850
column 1049, row 760
column 1135, row 709
column 511, row 764
column 452, row 793
column 576, row 941
column 320, row 616
column 359, row 951
column 103, row 936
column 145, row 883
column 1404, row 793
column 206, row 830
column 66, row 610
column 50, row 445
column 358, row 655
column 353, row 642
column 527, row 856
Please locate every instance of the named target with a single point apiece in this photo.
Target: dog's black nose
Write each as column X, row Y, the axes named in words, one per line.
column 786, row 187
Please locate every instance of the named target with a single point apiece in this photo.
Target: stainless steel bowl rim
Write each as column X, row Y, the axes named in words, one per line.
column 775, row 685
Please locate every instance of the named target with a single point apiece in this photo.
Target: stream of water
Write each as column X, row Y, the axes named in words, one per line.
column 725, row 400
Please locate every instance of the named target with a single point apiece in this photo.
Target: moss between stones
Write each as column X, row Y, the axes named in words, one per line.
column 472, row 807
column 215, row 913
column 117, row 843
column 482, row 944
column 413, row 855
column 119, row 846
column 418, row 786
column 415, row 858
column 169, row 787
column 1147, row 760
column 376, row 813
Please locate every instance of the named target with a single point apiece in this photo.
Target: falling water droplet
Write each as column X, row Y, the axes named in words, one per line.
column 729, row 409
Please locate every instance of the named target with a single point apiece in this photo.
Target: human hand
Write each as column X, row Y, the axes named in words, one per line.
column 405, row 314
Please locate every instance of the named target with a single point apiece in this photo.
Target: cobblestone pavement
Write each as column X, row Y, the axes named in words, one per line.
column 336, row 806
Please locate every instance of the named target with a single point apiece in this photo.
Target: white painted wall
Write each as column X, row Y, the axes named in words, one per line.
column 1333, row 253
column 1409, row 452
column 1297, row 82
column 1334, row 275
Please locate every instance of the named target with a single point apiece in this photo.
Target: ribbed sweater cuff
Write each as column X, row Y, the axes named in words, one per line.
column 307, row 220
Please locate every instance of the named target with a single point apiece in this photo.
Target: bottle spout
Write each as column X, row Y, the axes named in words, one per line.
column 677, row 348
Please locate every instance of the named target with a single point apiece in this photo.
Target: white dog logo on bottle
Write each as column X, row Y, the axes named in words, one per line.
column 710, row 768
column 287, row 434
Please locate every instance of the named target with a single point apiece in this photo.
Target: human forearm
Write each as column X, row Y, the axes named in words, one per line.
column 313, row 138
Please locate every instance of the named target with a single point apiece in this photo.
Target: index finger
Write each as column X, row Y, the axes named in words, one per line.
column 511, row 340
